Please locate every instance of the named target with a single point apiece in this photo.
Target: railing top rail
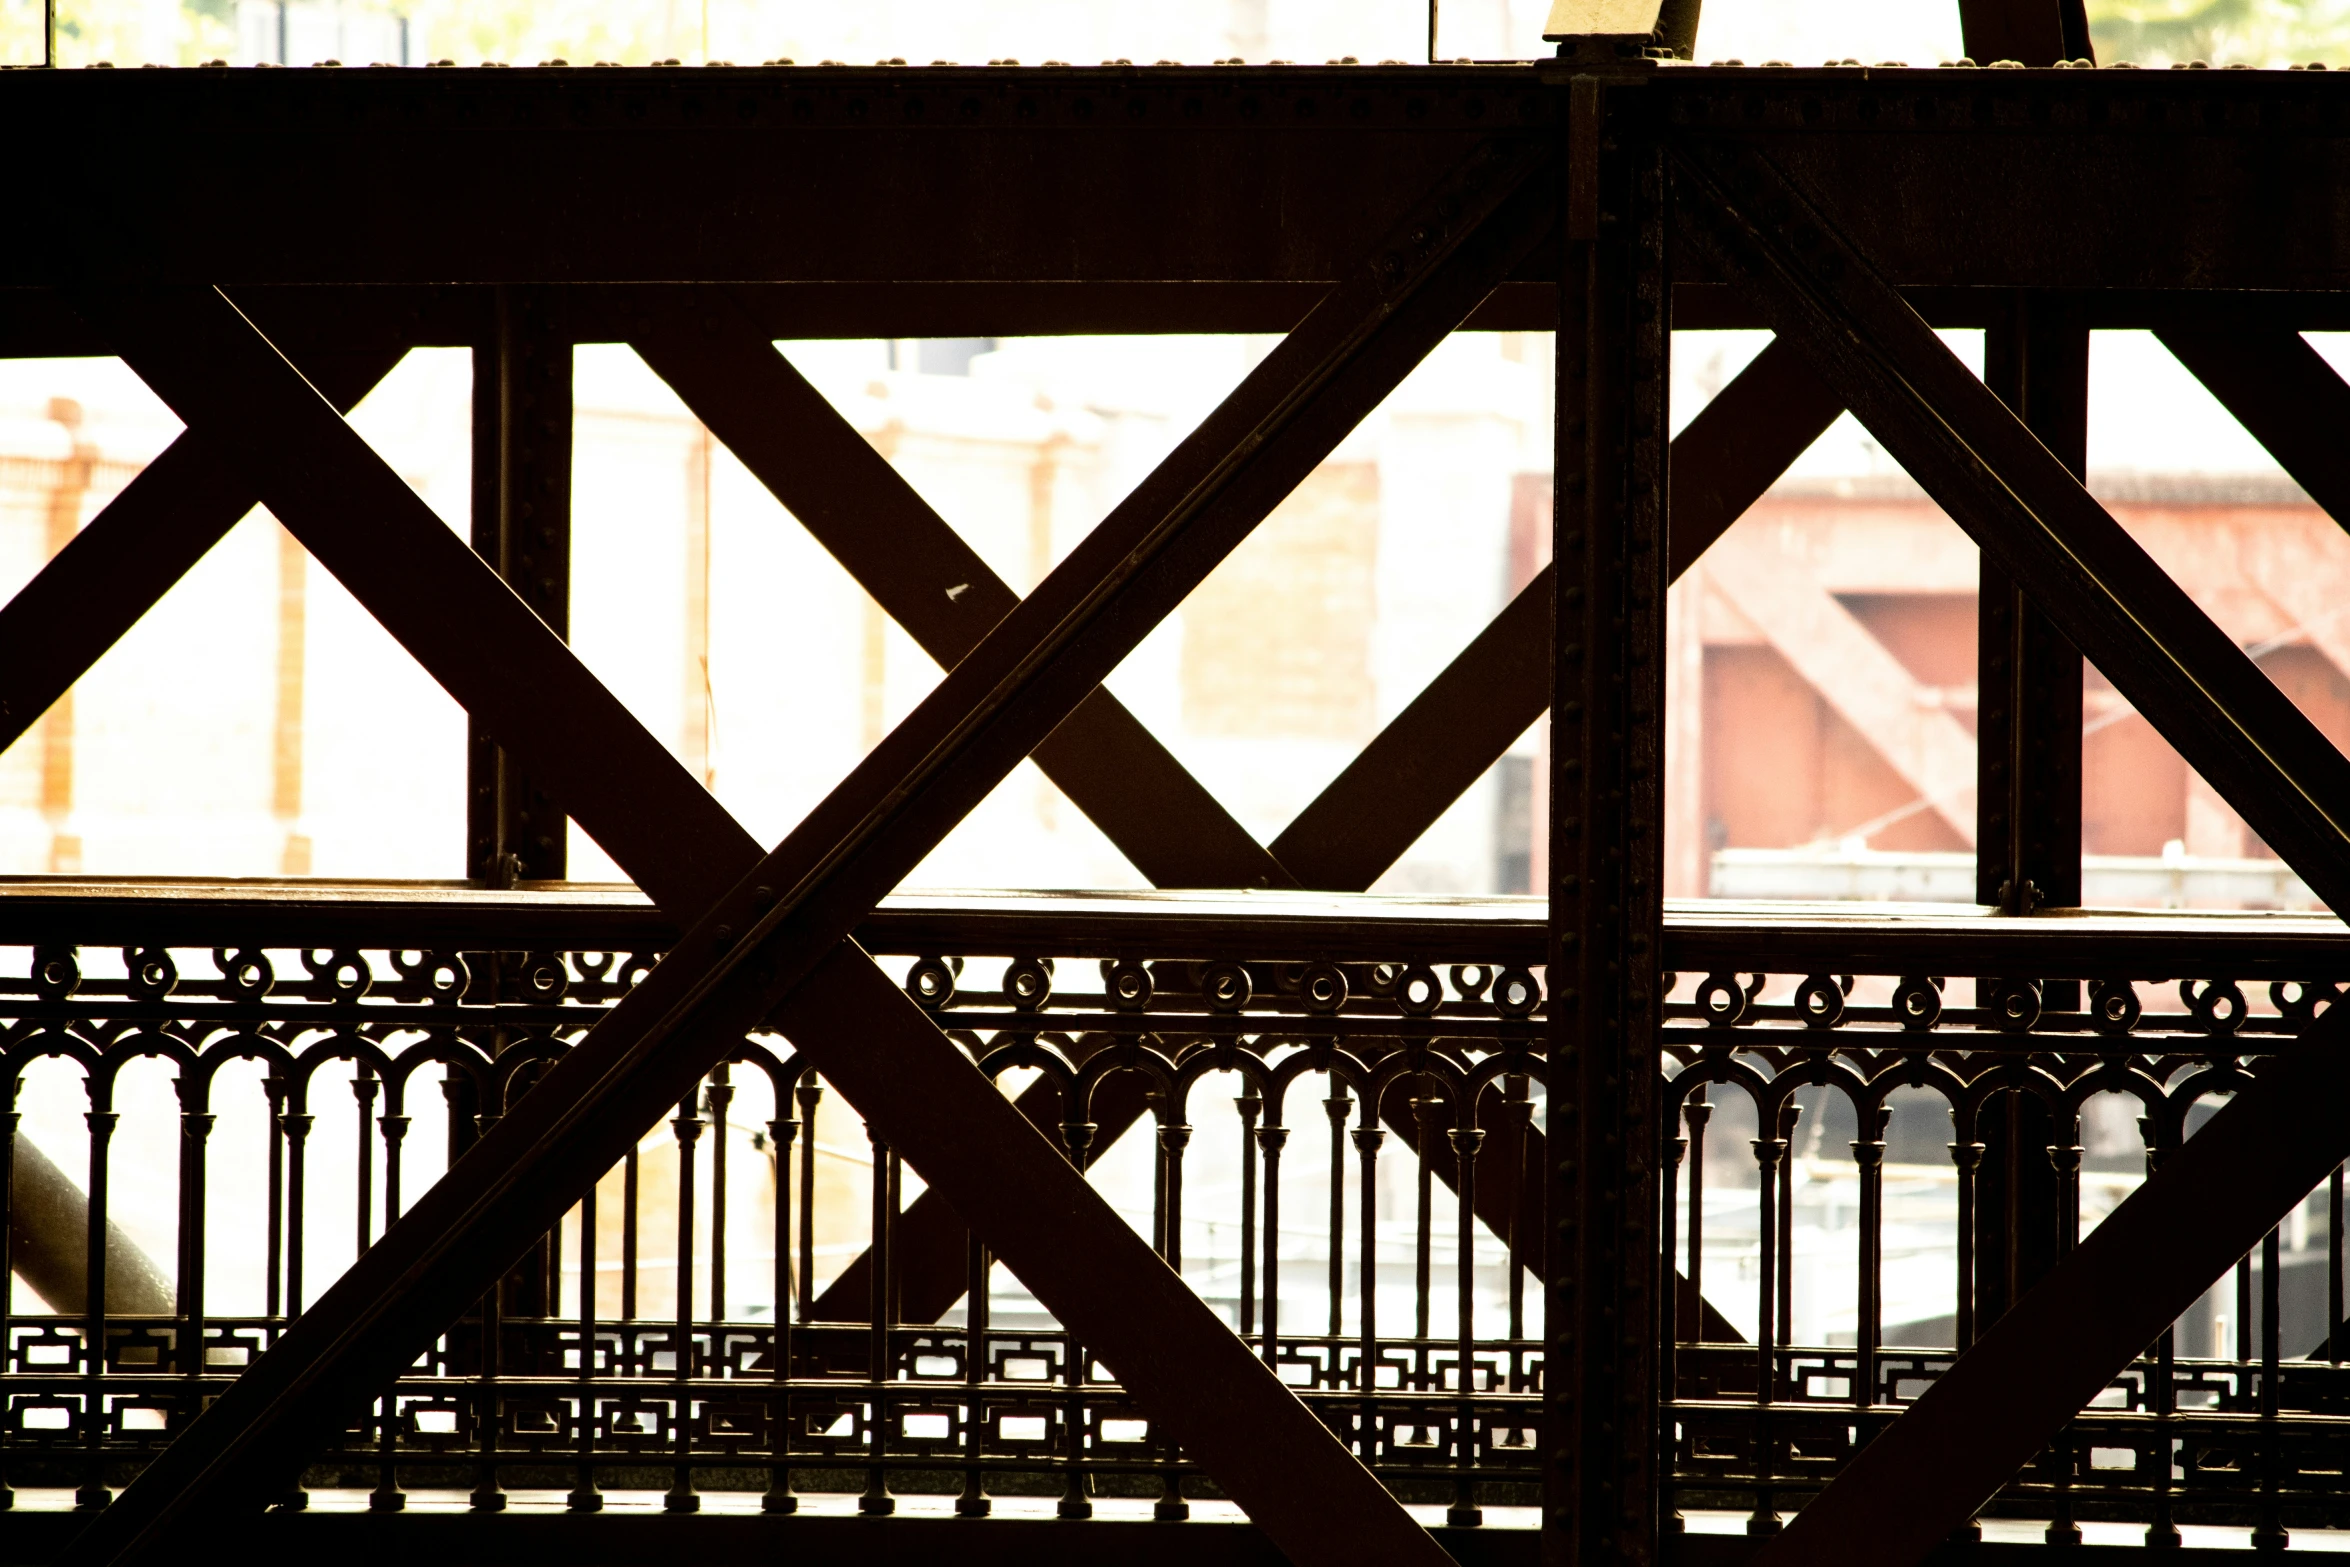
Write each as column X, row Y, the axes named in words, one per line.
column 1780, row 937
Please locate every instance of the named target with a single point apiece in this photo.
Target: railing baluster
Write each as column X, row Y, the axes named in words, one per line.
column 1967, row 1155
column 681, row 1497
column 195, row 1137
column 1465, row 1138
column 782, row 1132
column 2163, row 1530
column 1174, row 1137
column 1698, row 1113
column 809, row 1094
column 2334, row 1308
column 1769, row 1153
column 1519, row 1107
column 1789, row 1114
column 974, row 1503
column 1271, row 1138
column 1336, row 1108
column 2244, row 1344
column 2270, row 1534
column 1868, row 1151
column 877, row 1500
column 363, row 1089
column 631, row 1179
column 10, row 1116
column 1368, row 1137
column 2064, row 1155
column 585, row 1498
column 1668, row 1331
column 387, row 1497
column 93, row 1492
column 1424, row 1112
column 717, row 1097
column 1248, row 1103
column 273, row 1264
column 297, row 1127
column 1076, row 1501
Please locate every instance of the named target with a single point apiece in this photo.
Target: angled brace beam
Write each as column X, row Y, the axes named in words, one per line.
column 144, row 540
column 934, row 585
column 791, row 960
column 1443, row 742
column 2002, row 1402
column 2023, row 508
column 2284, row 392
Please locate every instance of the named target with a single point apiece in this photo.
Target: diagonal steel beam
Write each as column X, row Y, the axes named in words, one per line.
column 142, row 542
column 1432, row 751
column 2024, row 509
column 778, row 941
column 2002, row 1402
column 2284, row 392
column 920, row 571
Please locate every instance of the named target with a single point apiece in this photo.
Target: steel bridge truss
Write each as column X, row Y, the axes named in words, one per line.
column 1366, row 213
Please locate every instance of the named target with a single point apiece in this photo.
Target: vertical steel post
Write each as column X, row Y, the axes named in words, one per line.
column 522, row 527
column 2028, row 786
column 2028, row 677
column 1606, row 850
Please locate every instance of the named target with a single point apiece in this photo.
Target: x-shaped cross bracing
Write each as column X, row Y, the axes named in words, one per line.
column 898, row 549
column 768, row 941
column 2211, row 1201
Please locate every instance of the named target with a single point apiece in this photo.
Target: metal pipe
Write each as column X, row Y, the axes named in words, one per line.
column 48, row 1240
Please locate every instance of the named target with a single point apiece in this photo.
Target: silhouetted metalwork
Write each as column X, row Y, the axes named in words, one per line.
column 1552, row 1278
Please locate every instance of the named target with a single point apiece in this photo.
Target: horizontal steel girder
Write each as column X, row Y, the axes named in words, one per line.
column 2046, row 179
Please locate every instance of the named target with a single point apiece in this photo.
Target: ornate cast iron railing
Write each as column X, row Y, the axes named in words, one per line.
column 2241, row 1428
column 1115, row 1011
column 1323, row 1045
